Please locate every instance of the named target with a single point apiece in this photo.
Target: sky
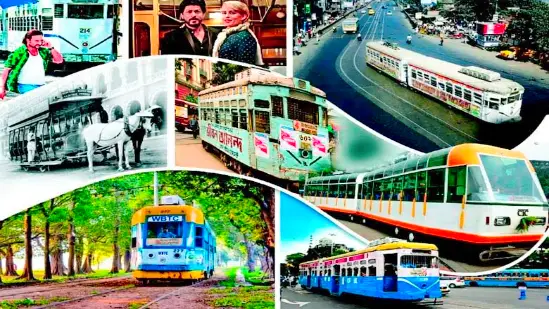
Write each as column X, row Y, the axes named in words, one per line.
column 299, row 221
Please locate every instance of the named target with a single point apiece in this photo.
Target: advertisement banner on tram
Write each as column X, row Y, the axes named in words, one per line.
column 288, row 139
column 261, row 142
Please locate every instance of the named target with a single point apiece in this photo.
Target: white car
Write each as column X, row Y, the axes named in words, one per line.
column 444, row 289
column 452, row 282
column 389, row 13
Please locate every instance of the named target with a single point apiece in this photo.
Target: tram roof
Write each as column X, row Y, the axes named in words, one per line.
column 192, row 214
column 501, row 86
column 263, row 78
column 463, row 154
column 382, row 247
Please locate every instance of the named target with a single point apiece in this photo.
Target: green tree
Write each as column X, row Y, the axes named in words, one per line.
column 224, row 72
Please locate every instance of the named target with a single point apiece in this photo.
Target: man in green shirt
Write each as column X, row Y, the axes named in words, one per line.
column 25, row 68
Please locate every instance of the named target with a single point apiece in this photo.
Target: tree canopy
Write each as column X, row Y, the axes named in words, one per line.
column 93, row 223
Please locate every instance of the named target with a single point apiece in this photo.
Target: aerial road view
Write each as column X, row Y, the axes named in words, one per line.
column 421, row 92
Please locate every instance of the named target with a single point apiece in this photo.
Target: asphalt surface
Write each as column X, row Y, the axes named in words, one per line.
column 60, row 180
column 468, row 297
column 337, row 66
column 449, row 262
column 190, row 153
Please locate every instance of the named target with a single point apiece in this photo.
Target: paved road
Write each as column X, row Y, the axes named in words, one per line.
column 190, row 153
column 337, row 66
column 64, row 179
column 449, row 261
column 480, row 298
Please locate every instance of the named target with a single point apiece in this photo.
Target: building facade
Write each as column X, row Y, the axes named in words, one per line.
column 192, row 76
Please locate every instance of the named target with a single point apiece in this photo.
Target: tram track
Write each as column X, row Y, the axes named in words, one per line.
column 52, row 286
column 174, row 292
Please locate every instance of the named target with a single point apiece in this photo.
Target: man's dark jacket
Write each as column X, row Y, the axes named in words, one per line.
column 180, row 41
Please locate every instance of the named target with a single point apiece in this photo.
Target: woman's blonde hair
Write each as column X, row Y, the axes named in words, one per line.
column 240, row 7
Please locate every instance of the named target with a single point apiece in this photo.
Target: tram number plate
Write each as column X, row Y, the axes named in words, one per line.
column 85, row 30
column 177, row 250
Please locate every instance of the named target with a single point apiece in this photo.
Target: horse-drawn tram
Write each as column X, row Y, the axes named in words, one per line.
column 388, row 269
column 45, row 132
column 484, row 201
column 268, row 124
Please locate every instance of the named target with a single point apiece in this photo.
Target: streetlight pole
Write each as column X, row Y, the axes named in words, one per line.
column 332, row 246
column 155, row 189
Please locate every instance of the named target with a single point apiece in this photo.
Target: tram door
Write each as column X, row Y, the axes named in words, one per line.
column 336, row 278
column 309, row 271
column 390, row 279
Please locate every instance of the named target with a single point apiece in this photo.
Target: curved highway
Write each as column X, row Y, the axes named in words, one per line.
column 337, row 66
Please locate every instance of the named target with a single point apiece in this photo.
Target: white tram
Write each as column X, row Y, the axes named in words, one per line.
column 81, row 30
column 479, row 92
column 483, row 197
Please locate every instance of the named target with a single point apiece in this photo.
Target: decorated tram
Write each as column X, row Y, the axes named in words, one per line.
column 485, row 198
column 172, row 242
column 478, row 92
column 388, row 269
column 266, row 123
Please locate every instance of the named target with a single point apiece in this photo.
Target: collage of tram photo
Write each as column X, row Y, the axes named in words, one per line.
column 175, row 154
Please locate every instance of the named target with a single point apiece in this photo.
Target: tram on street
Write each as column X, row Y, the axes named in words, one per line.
column 350, row 25
column 388, row 269
column 84, row 32
column 54, row 127
column 171, row 242
column 481, row 93
column 183, row 113
column 532, row 278
column 486, row 199
column 266, row 123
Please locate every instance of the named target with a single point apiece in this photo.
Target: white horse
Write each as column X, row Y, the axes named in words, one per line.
column 118, row 132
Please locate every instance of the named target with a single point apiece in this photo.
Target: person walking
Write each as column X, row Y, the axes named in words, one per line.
column 193, row 124
column 25, row 68
column 441, row 39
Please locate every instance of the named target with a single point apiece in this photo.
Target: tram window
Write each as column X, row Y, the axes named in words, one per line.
column 421, row 185
column 58, row 11
column 355, row 272
column 278, row 106
column 441, row 86
column 333, row 190
column 494, row 103
column 426, row 77
column 242, row 103
column 414, row 74
column 409, row 187
column 303, row 111
column 458, row 91
column 477, row 97
column 386, row 188
column 262, row 104
column 229, row 118
column 85, row 11
column 243, row 119
column 262, row 122
column 435, row 187
column 366, row 190
column 198, row 232
column 433, row 81
column 377, row 190
column 217, row 116
column 134, row 242
column 456, row 184
column 449, row 88
column 372, row 271
column 363, row 271
column 476, row 186
column 467, row 95
column 420, row 76
column 397, row 187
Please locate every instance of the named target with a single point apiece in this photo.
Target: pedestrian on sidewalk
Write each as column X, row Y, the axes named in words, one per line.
column 441, row 39
column 25, row 68
column 317, row 38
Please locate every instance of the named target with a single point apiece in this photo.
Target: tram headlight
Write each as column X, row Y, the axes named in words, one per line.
column 502, row 221
column 177, row 256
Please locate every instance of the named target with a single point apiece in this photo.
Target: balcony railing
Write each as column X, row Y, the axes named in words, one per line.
column 203, row 72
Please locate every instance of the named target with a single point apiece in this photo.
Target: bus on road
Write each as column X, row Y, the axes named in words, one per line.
column 183, row 113
column 350, row 25
column 512, row 278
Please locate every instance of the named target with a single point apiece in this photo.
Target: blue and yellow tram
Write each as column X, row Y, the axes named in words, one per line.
column 172, row 242
column 388, row 269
